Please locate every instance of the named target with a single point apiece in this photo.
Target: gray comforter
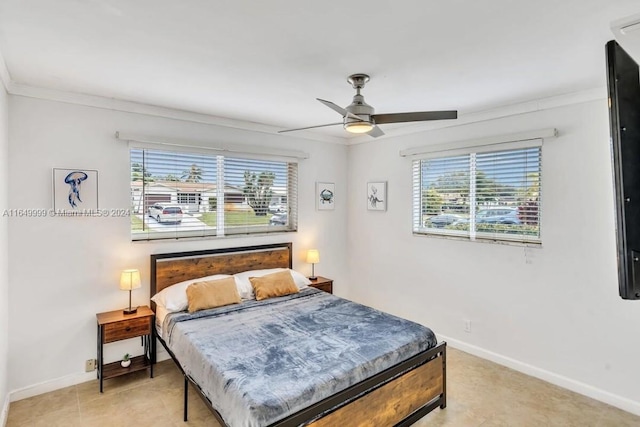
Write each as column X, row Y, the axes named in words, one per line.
column 260, row 361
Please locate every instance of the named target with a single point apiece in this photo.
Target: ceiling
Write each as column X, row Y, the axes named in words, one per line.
column 267, row 61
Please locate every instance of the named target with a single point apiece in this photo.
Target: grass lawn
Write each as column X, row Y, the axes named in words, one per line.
column 236, row 218
column 232, row 218
column 136, row 223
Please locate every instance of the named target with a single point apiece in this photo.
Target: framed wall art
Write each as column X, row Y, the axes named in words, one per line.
column 75, row 190
column 325, row 193
column 377, row 196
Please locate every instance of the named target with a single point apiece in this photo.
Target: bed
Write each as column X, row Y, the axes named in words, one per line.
column 301, row 378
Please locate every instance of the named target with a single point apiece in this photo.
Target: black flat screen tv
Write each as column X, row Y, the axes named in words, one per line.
column 624, row 120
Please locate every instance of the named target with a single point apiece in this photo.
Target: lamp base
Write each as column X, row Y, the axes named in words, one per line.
column 313, row 277
column 130, row 310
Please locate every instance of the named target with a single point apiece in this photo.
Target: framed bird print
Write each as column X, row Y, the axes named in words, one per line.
column 377, row 196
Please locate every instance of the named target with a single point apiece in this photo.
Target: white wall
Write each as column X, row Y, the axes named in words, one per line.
column 558, row 317
column 4, row 249
column 64, row 270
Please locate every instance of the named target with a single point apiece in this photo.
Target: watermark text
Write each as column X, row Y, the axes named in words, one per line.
column 44, row 213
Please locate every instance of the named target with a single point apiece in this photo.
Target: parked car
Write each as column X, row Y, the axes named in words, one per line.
column 503, row 215
column 442, row 220
column 528, row 213
column 165, row 213
column 461, row 221
column 277, row 208
column 279, row 219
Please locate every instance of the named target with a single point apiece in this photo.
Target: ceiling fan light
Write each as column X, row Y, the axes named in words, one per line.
column 358, row 127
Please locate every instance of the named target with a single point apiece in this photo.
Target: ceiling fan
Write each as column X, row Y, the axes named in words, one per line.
column 359, row 117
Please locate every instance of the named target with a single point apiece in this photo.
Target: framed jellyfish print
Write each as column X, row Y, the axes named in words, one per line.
column 75, row 191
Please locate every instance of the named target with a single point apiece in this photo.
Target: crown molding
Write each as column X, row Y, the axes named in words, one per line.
column 596, row 94
column 116, row 104
column 617, row 26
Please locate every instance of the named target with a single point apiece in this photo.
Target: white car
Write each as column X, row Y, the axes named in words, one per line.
column 279, row 219
column 504, row 215
column 165, row 213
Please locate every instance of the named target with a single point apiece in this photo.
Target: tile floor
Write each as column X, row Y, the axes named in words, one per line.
column 480, row 393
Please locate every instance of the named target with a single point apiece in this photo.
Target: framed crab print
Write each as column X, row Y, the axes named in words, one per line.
column 325, row 193
column 75, row 190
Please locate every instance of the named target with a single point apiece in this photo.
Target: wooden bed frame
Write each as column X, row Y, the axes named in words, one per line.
column 400, row 395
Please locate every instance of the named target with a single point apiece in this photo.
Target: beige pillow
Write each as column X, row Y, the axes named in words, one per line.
column 214, row 293
column 273, row 285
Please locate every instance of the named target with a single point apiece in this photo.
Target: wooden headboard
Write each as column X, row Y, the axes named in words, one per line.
column 170, row 268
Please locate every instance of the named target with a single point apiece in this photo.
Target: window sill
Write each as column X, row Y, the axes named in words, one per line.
column 212, row 237
column 520, row 243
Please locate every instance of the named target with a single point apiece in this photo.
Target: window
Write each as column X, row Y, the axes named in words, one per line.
column 493, row 195
column 184, row 194
column 188, row 198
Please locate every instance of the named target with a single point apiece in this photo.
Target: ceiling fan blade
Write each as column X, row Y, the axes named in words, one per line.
column 414, row 117
column 309, row 127
column 340, row 110
column 375, row 132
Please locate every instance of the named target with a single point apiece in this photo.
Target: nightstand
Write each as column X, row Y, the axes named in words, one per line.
column 116, row 326
column 323, row 284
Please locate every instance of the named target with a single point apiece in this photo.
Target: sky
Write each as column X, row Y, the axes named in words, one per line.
column 512, row 167
column 163, row 163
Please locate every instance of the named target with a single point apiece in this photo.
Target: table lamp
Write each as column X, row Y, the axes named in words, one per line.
column 313, row 257
column 129, row 280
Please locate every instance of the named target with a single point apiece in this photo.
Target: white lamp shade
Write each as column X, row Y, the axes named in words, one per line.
column 130, row 279
column 313, row 256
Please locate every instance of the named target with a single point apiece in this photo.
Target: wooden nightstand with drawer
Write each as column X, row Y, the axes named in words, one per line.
column 323, row 284
column 116, row 326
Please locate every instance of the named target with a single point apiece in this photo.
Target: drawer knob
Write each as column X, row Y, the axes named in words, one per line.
column 128, row 328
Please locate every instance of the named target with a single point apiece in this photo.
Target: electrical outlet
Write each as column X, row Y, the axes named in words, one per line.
column 467, row 325
column 90, row 365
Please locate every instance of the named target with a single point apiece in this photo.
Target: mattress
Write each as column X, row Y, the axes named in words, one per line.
column 161, row 314
column 260, row 361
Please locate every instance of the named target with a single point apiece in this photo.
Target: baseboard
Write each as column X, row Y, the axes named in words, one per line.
column 559, row 380
column 550, row 377
column 62, row 382
column 5, row 411
column 51, row 385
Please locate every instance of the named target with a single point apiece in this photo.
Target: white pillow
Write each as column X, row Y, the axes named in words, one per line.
column 300, row 279
column 246, row 290
column 174, row 297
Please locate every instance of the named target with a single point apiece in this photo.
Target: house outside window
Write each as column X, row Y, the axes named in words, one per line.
column 215, row 195
column 490, row 195
column 188, row 198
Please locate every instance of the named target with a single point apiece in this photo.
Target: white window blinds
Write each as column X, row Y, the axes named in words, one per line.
column 183, row 194
column 493, row 195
